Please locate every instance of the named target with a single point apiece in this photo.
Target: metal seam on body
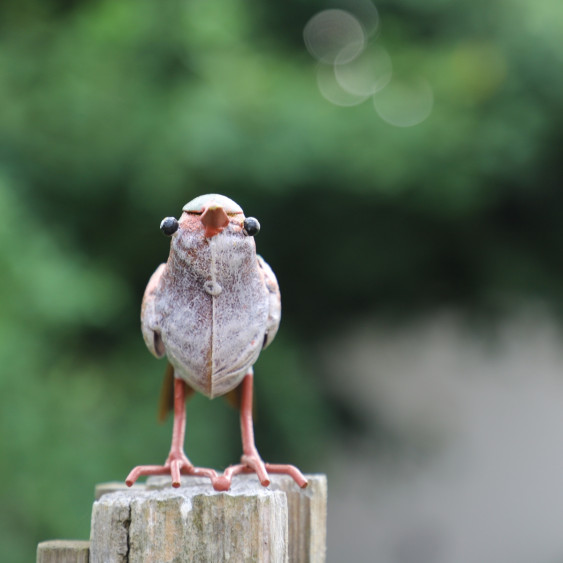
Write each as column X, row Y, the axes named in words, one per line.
column 213, row 313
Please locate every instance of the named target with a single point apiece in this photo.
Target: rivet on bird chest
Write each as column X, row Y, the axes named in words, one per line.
column 212, row 287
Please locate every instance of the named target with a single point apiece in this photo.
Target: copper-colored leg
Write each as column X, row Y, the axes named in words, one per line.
column 177, row 462
column 251, row 460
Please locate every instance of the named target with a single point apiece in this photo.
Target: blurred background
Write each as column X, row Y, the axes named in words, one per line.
column 403, row 159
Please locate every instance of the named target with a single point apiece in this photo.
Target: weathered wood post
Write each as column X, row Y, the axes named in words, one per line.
column 157, row 523
column 63, row 551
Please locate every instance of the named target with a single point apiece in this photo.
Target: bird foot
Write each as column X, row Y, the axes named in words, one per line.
column 253, row 464
column 176, row 464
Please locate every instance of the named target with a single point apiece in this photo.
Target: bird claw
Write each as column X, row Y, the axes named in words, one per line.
column 287, row 469
column 176, row 464
column 253, row 464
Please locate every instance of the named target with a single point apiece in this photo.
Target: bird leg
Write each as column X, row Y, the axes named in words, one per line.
column 251, row 460
column 177, row 462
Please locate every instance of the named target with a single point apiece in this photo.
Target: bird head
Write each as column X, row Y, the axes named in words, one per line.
column 211, row 214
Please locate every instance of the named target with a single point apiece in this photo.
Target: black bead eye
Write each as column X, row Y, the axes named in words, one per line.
column 251, row 226
column 169, row 226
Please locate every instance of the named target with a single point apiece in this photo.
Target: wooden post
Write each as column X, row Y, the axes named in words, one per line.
column 63, row 551
column 157, row 523
column 306, row 517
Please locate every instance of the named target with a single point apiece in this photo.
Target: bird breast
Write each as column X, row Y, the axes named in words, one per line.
column 213, row 307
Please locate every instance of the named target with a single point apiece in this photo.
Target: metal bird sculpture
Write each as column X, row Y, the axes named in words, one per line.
column 210, row 310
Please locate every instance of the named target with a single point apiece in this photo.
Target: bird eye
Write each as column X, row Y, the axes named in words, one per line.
column 169, row 226
column 251, row 226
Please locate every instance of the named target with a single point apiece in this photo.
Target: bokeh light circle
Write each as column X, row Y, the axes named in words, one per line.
column 330, row 32
column 366, row 74
column 332, row 91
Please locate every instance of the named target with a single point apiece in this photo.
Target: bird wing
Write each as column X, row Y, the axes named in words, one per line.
column 149, row 316
column 274, row 314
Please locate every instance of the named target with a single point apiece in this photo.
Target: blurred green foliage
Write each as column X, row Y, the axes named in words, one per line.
column 115, row 114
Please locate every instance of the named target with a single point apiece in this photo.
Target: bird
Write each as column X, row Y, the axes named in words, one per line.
column 210, row 310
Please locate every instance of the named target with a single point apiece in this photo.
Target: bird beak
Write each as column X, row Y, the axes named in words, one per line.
column 214, row 220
